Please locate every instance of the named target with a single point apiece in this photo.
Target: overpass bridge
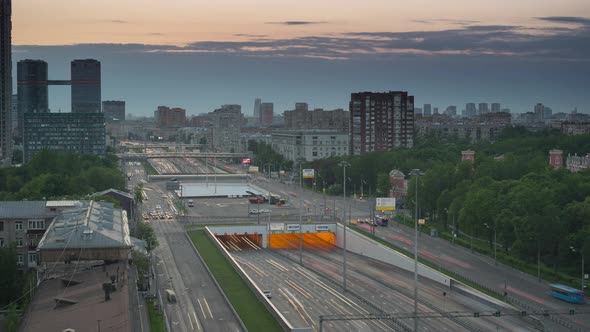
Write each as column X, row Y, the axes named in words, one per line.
column 187, row 154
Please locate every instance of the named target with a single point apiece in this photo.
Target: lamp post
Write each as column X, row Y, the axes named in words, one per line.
column 582, row 253
column 416, row 172
column 344, row 164
column 488, row 227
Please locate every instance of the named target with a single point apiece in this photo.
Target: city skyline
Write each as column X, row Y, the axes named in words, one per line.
column 315, row 52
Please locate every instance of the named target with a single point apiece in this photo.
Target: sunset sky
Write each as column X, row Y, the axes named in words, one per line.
column 201, row 54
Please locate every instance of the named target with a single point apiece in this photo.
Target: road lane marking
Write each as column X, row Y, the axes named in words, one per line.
column 197, row 320
column 201, row 306
column 190, row 321
column 525, row 295
column 208, row 309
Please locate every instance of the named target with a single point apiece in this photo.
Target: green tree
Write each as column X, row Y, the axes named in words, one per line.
column 9, row 275
column 146, row 232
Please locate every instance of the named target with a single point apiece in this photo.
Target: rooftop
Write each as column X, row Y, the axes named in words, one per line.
column 93, row 225
column 88, row 298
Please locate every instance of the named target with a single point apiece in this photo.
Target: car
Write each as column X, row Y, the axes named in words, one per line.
column 264, row 211
column 267, row 294
column 254, row 211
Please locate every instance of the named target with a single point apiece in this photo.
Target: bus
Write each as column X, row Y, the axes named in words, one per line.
column 567, row 293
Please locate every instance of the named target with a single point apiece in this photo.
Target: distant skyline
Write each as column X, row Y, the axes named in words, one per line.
column 197, row 55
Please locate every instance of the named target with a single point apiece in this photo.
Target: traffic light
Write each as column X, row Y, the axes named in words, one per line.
column 476, row 314
column 523, row 313
column 572, row 311
column 497, row 314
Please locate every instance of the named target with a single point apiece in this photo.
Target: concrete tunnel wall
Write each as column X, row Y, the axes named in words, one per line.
column 240, row 230
column 362, row 245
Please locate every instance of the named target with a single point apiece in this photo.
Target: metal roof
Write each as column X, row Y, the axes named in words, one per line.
column 63, row 203
column 118, row 192
column 22, row 209
column 94, row 225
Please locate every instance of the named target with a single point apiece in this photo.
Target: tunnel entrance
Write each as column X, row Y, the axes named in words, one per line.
column 313, row 241
column 241, row 242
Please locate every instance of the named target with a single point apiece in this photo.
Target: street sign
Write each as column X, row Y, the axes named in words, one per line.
column 277, row 227
column 293, row 227
column 253, row 169
column 308, row 173
column 385, row 204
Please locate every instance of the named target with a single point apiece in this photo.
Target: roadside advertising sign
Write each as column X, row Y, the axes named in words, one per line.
column 253, row 169
column 385, row 204
column 308, row 173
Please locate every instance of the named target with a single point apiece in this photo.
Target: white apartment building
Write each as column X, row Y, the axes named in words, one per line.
column 310, row 145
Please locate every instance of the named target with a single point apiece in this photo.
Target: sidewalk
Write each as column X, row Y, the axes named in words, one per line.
column 138, row 313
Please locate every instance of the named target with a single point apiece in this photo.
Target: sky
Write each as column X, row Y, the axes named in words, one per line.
column 199, row 55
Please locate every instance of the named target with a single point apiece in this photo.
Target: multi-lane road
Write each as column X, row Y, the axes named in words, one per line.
column 199, row 305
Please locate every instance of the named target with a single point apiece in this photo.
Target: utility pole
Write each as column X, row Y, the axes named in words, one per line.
column 344, row 164
column 417, row 173
column 300, row 212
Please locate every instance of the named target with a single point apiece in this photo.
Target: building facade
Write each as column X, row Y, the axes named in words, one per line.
column 427, row 111
column 310, row 145
column 82, row 133
column 33, row 91
column 86, row 86
column 577, row 163
column 381, row 121
column 302, row 118
column 5, row 82
column 167, row 117
column 256, row 113
column 23, row 224
column 266, row 114
column 224, row 131
column 113, row 110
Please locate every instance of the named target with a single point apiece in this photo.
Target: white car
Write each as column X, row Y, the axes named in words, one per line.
column 254, row 211
column 264, row 211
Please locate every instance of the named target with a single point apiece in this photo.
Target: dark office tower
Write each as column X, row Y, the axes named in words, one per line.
column 113, row 110
column 86, row 86
column 32, row 90
column 427, row 110
column 496, row 107
column 257, row 102
column 301, row 107
column 470, row 110
column 266, row 114
column 5, row 82
column 435, row 110
column 483, row 108
column 381, row 121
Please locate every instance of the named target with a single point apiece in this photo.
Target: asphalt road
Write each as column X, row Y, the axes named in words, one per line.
column 199, row 306
column 481, row 269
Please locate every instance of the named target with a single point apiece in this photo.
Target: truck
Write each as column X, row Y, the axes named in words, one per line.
column 262, row 199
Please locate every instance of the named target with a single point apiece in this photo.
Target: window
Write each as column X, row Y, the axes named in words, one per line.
column 32, row 259
column 19, row 260
column 19, row 242
column 36, row 224
column 18, row 226
column 1, row 226
column 1, row 243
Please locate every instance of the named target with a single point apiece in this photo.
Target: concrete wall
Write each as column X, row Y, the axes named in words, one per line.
column 230, row 230
column 257, row 291
column 362, row 245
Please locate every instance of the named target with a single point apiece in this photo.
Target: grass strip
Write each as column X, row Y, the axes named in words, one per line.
column 156, row 318
column 252, row 312
column 149, row 169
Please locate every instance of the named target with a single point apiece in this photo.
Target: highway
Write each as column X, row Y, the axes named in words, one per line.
column 199, row 306
column 523, row 288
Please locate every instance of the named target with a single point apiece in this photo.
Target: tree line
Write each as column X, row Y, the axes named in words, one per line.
column 510, row 191
column 53, row 174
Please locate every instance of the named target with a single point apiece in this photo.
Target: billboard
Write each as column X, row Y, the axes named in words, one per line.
column 322, row 227
column 308, row 173
column 253, row 169
column 277, row 227
column 292, row 227
column 385, row 204
column 246, row 161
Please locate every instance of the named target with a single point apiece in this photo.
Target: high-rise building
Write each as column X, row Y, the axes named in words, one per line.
column 435, row 110
column 113, row 110
column 427, row 110
column 301, row 107
column 266, row 114
column 381, row 121
column 470, row 110
column 547, row 112
column 82, row 133
column 257, row 102
column 14, row 114
column 496, row 107
column 5, row 82
column 451, row 111
column 167, row 117
column 224, row 130
column 86, row 86
column 32, row 89
column 539, row 112
column 483, row 108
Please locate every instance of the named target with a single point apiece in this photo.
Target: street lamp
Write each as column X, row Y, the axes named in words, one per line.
column 344, row 164
column 416, row 172
column 582, row 253
column 488, row 227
